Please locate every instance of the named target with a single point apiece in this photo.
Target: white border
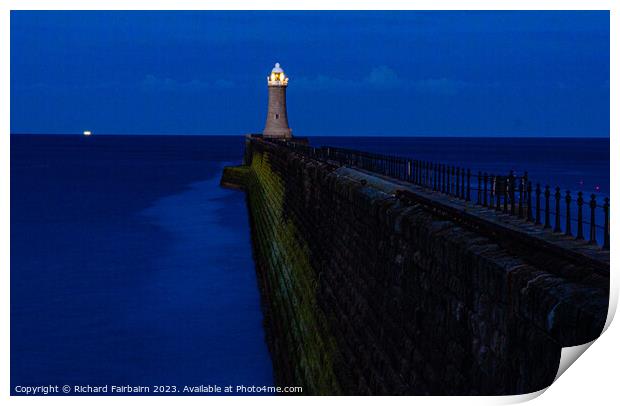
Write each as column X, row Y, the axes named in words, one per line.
column 592, row 380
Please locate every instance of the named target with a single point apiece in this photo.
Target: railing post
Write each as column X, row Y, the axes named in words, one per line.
column 486, row 178
column 512, row 193
column 506, row 192
column 479, row 188
column 458, row 182
column 428, row 173
column 606, row 232
column 463, row 183
column 568, row 201
column 525, row 182
column 498, row 197
column 579, row 216
column 592, row 219
column 422, row 174
column 395, row 167
column 454, row 181
column 435, row 176
column 417, row 172
column 409, row 171
column 538, row 204
column 406, row 173
column 521, row 199
column 558, row 196
column 468, row 196
column 529, row 201
column 547, row 208
column 397, row 162
column 432, row 176
column 443, row 178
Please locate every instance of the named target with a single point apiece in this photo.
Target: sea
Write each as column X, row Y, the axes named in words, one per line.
column 131, row 266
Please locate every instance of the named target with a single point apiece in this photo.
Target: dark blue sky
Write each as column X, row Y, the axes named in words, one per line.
column 351, row 73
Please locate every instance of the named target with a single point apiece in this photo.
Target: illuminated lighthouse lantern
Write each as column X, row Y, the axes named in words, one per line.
column 277, row 120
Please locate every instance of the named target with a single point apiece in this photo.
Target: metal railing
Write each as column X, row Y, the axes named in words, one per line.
column 510, row 194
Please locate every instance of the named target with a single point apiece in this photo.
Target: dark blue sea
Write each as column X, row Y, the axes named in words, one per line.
column 131, row 266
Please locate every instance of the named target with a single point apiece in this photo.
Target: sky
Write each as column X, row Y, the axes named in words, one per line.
column 505, row 74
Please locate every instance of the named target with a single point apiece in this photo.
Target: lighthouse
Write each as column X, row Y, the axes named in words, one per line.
column 277, row 120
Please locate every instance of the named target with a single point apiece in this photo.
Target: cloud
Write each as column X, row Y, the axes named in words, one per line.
column 224, row 84
column 155, row 83
column 379, row 77
column 383, row 78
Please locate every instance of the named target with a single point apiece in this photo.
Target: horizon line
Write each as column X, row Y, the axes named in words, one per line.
column 308, row 136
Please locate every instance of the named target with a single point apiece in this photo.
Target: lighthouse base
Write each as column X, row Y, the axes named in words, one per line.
column 278, row 133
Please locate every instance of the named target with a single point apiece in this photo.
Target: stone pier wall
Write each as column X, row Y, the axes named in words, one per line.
column 366, row 294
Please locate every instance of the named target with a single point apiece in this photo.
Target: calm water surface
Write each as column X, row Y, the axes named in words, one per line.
column 129, row 265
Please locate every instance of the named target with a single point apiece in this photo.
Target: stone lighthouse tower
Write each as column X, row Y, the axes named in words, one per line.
column 277, row 120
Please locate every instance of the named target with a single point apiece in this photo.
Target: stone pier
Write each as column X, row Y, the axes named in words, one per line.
column 374, row 286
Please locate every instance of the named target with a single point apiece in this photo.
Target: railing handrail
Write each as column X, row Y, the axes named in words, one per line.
column 511, row 194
